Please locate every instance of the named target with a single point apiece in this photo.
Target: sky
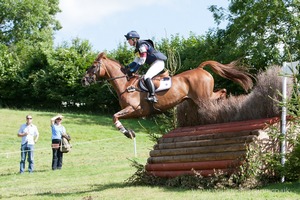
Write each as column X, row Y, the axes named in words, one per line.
column 105, row 22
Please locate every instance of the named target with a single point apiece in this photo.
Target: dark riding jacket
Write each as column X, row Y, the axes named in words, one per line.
column 152, row 54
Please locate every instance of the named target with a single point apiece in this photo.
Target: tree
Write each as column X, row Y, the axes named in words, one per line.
column 261, row 32
column 26, row 38
column 28, row 20
column 59, row 80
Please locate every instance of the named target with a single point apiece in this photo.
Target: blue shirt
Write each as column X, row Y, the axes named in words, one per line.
column 57, row 131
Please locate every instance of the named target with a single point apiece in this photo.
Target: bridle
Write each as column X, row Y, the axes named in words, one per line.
column 96, row 70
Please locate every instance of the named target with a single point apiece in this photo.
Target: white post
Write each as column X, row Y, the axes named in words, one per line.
column 288, row 69
column 283, row 123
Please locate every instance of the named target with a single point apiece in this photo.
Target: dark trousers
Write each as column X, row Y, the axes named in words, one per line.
column 57, row 156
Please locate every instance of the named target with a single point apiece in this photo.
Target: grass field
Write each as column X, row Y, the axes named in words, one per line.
column 98, row 164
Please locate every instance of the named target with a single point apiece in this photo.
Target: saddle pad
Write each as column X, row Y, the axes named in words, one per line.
column 165, row 83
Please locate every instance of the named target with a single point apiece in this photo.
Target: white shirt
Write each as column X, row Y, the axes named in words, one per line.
column 33, row 132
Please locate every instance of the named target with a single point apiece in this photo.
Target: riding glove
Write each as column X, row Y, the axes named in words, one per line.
column 133, row 67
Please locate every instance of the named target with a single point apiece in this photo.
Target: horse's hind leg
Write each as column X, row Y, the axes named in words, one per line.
column 124, row 114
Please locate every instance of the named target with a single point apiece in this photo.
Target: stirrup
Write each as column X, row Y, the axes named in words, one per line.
column 152, row 99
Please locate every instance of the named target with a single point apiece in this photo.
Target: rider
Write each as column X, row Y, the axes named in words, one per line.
column 149, row 55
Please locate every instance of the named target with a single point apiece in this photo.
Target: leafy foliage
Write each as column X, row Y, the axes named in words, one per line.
column 261, row 32
column 30, row 63
column 28, row 21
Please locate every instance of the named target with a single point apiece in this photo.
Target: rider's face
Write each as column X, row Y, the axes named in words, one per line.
column 131, row 41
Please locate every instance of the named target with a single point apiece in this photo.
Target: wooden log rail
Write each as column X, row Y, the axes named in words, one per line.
column 225, row 128
column 219, row 164
column 265, row 121
column 199, row 150
column 204, row 173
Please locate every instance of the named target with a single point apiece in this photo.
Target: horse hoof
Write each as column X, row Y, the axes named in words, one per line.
column 132, row 133
column 129, row 134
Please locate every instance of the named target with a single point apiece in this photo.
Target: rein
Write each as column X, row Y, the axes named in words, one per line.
column 110, row 79
column 127, row 90
column 100, row 65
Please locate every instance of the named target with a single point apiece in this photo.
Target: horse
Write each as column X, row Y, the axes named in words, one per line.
column 195, row 84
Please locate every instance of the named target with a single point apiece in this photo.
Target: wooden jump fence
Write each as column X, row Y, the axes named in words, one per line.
column 204, row 149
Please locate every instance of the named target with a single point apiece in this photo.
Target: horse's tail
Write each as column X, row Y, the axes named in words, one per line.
column 230, row 72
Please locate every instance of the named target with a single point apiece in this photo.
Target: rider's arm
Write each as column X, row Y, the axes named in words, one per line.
column 143, row 55
column 139, row 61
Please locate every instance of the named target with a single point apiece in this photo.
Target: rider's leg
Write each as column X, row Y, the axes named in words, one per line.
column 151, row 89
column 154, row 69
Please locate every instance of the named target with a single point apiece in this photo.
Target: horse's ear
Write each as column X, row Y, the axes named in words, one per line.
column 102, row 55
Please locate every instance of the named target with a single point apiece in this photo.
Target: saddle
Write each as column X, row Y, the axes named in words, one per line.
column 161, row 82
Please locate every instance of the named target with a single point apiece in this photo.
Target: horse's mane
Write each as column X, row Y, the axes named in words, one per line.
column 103, row 56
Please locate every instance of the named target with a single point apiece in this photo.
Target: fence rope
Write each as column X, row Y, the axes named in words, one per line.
column 73, row 144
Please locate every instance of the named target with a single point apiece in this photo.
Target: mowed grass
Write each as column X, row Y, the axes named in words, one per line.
column 98, row 164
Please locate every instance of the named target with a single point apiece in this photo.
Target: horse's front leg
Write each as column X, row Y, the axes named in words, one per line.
column 125, row 113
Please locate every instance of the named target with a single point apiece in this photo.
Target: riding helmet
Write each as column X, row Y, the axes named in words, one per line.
column 132, row 34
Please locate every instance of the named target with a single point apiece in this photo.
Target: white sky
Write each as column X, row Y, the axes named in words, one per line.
column 105, row 22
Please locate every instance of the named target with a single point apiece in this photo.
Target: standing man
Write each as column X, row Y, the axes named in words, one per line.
column 29, row 134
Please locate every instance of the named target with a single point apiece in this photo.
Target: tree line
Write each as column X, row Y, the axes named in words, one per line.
column 36, row 74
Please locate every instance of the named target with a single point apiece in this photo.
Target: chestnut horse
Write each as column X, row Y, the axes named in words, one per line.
column 196, row 84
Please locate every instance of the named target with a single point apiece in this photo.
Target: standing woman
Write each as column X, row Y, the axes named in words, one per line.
column 58, row 130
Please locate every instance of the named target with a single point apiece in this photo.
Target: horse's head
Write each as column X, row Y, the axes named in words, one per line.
column 94, row 72
column 103, row 67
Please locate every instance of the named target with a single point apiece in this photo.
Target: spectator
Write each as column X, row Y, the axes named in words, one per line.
column 30, row 135
column 58, row 130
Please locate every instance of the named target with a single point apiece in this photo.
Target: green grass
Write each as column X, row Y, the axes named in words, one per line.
column 98, row 164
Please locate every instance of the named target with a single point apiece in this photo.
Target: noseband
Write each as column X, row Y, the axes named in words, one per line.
column 92, row 78
column 97, row 68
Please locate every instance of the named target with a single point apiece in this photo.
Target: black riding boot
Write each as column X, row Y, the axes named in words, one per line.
column 150, row 86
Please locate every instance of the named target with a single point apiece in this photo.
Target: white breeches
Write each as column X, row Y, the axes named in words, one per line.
column 154, row 69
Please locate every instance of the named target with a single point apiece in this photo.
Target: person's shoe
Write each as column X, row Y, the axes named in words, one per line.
column 152, row 99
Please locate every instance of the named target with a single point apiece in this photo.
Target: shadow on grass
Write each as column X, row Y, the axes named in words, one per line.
column 18, row 173
column 280, row 188
column 94, row 188
column 102, row 187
